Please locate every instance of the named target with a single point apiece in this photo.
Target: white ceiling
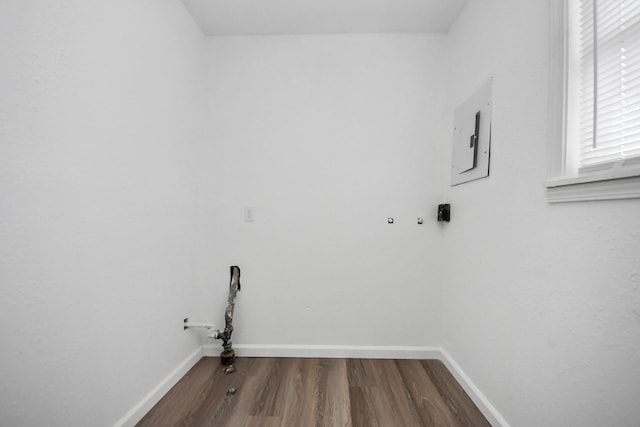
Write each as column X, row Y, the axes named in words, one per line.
column 244, row 17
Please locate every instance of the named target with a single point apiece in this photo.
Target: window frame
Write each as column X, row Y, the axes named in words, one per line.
column 563, row 186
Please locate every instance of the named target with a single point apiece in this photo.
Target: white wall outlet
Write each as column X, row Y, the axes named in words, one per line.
column 249, row 213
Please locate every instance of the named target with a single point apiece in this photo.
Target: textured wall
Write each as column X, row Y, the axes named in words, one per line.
column 112, row 226
column 98, row 114
column 541, row 302
column 327, row 136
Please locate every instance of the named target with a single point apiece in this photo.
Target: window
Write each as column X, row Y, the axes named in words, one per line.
column 595, row 100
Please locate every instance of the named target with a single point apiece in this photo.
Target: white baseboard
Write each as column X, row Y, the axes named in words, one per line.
column 324, row 351
column 136, row 413
column 328, row 351
column 488, row 410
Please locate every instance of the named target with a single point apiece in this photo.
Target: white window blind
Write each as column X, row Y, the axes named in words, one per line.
column 609, row 89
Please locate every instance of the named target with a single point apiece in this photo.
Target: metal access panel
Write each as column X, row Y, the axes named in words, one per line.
column 472, row 137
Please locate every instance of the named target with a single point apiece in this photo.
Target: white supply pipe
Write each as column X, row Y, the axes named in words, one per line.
column 201, row 325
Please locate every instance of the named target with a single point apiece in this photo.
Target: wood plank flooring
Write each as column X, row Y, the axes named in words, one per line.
column 316, row 392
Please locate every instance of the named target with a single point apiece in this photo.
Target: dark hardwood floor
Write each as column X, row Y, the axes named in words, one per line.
column 317, row 392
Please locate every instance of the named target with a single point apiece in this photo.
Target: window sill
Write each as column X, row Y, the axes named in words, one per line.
column 584, row 189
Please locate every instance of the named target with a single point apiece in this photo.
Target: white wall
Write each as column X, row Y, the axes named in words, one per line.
column 106, row 186
column 541, row 302
column 99, row 112
column 327, row 136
